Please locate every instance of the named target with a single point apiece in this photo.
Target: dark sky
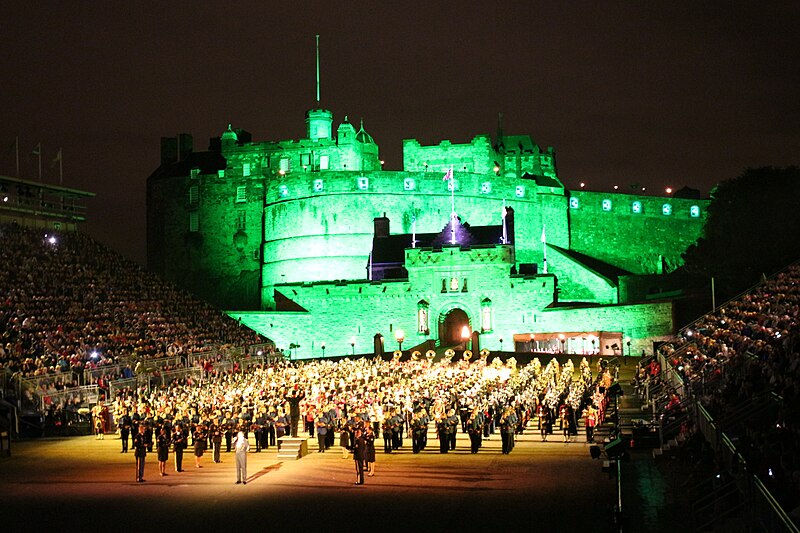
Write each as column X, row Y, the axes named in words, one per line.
column 656, row 93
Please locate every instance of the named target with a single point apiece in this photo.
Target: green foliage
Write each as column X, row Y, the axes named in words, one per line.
column 752, row 228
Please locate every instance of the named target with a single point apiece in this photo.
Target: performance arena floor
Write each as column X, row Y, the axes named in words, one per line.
column 84, row 484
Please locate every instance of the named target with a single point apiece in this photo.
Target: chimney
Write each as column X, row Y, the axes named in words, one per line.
column 169, row 150
column 381, row 227
column 185, row 145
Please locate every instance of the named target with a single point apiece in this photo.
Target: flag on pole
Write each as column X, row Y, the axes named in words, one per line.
column 37, row 150
column 56, row 159
column 449, row 174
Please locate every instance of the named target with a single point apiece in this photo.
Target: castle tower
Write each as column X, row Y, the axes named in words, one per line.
column 318, row 120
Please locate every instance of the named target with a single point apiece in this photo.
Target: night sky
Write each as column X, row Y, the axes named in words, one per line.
column 655, row 93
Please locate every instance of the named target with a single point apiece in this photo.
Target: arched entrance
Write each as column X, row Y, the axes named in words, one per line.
column 451, row 326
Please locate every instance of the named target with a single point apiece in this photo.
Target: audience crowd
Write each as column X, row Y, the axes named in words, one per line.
column 70, row 304
column 744, row 359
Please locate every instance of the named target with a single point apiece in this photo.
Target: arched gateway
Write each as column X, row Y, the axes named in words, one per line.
column 451, row 326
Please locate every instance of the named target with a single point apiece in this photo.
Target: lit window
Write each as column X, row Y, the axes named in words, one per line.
column 193, row 222
column 305, row 159
column 318, row 186
column 241, row 194
column 574, row 203
column 283, row 191
column 195, row 172
column 486, row 187
column 454, row 284
column 422, row 317
column 193, row 194
column 409, row 184
column 666, row 209
column 606, row 205
column 221, row 173
column 520, row 191
column 284, row 164
column 636, row 207
column 323, row 162
column 363, row 183
column 694, row 211
column 245, row 169
column 486, row 315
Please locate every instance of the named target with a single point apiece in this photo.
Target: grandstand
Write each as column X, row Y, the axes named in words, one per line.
column 76, row 317
column 732, row 379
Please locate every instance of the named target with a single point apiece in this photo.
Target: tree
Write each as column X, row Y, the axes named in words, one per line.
column 752, row 227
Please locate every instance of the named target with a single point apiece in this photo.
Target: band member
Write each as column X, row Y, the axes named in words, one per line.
column 386, row 427
column 199, row 441
column 442, row 431
column 369, row 437
column 242, row 447
column 162, row 448
column 140, row 452
column 544, row 420
column 124, row 430
column 321, row 426
column 590, row 421
column 216, row 440
column 179, row 442
column 359, row 456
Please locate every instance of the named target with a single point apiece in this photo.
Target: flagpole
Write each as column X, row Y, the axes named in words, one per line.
column 505, row 233
column 452, row 194
column 414, row 232
column 16, row 146
column 40, row 161
column 60, row 168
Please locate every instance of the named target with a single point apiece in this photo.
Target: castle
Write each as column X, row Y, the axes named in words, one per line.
column 311, row 243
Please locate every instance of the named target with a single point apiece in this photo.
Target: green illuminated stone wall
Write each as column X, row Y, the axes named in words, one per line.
column 319, row 226
column 221, row 260
column 634, row 241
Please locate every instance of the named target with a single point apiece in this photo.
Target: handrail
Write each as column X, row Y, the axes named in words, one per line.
column 776, row 507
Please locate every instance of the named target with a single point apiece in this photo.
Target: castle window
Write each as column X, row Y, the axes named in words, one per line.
column 574, row 203
column 520, row 191
column 464, row 288
column 486, row 187
column 422, row 317
column 241, row 220
column 486, row 315
column 193, row 194
column 194, row 173
column 283, row 191
column 444, row 285
column 694, row 211
column 363, row 183
column 606, row 205
column 318, row 186
column 305, row 160
column 194, row 223
column 324, row 161
column 284, row 164
column 409, row 184
column 241, row 194
column 636, row 207
column 245, row 169
column 221, row 173
column 666, row 209
column 454, row 284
